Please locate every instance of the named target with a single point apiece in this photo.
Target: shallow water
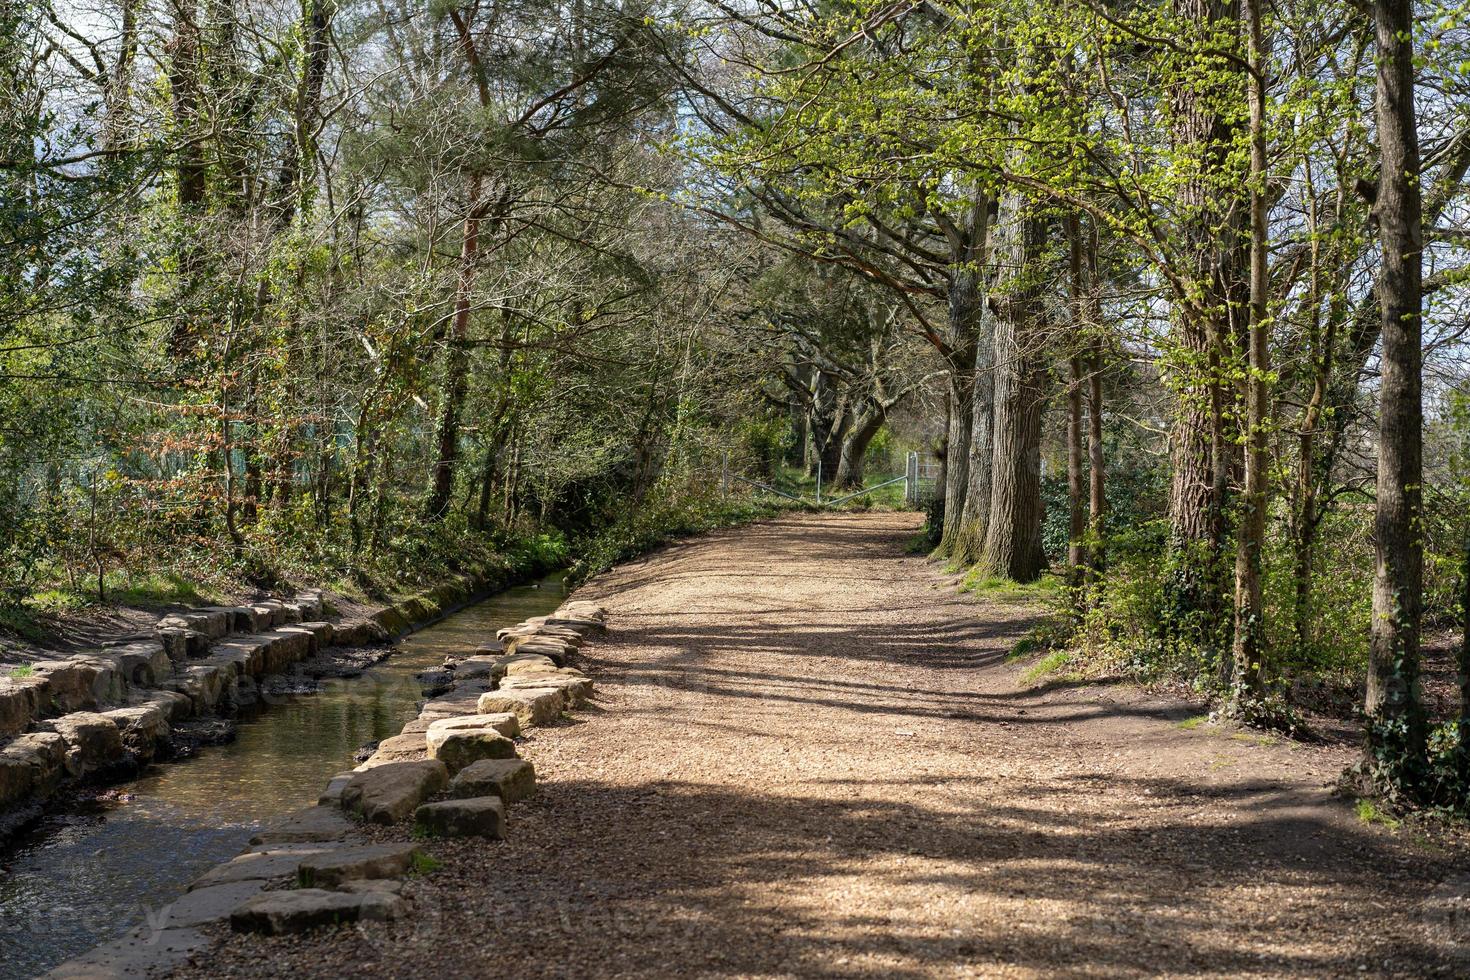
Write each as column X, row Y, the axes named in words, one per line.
column 90, row 872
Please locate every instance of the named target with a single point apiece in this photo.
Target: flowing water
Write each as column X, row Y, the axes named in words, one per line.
column 90, row 872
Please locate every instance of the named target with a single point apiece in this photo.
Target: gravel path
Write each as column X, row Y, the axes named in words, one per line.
column 810, row 758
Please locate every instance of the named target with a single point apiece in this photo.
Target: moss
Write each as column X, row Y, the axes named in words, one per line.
column 1190, row 724
column 1370, row 813
column 424, row 864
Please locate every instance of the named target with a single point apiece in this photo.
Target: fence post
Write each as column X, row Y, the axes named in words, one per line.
column 725, row 474
column 911, row 479
column 819, row 481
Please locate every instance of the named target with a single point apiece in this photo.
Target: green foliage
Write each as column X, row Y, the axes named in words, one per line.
column 661, row 521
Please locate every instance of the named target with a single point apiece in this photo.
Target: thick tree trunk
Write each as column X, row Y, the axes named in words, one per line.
column 1205, row 456
column 1393, row 663
column 854, row 448
column 456, row 367
column 1012, row 546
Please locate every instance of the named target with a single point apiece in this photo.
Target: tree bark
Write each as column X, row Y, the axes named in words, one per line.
column 1393, row 663
column 859, row 435
column 968, row 442
column 1249, row 650
column 1205, row 458
column 1012, row 546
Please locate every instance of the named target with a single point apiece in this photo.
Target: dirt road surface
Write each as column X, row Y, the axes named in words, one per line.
column 810, row 758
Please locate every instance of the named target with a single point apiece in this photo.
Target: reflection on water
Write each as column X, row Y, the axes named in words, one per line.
column 87, row 875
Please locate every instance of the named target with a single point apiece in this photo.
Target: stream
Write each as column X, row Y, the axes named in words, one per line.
column 91, row 870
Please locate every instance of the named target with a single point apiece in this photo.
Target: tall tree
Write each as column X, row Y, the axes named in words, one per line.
column 1395, row 714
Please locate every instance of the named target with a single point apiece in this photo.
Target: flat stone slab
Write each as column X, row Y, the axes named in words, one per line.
column 400, row 748
column 527, row 663
column 509, row 779
column 503, row 722
column 263, row 865
column 143, row 952
column 364, row 861
column 211, row 904
column 531, row 705
column 458, row 747
column 332, row 794
column 283, row 912
column 389, row 793
column 480, row 816
column 311, row 825
column 577, row 687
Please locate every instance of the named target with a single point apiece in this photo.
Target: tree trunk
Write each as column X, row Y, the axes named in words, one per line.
column 1205, row 457
column 1249, row 651
column 1012, row 546
column 1076, row 492
column 1393, row 662
column 968, row 367
column 189, row 165
column 1462, row 745
column 456, row 367
column 855, row 442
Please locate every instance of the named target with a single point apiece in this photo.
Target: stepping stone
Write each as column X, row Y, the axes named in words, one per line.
column 273, row 861
column 554, row 650
column 280, row 913
column 458, row 747
column 313, row 824
column 332, row 868
column 481, row 816
column 503, row 722
column 479, row 667
column 527, row 663
column 530, row 705
column 509, row 779
column 578, row 689
column 332, row 795
column 211, row 904
column 389, row 793
column 400, row 748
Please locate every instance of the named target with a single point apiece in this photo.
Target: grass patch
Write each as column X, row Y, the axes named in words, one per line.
column 24, row 670
column 1369, row 813
column 155, row 589
column 426, row 863
column 1190, row 724
column 1007, row 590
column 1024, row 647
column 1046, row 666
column 1253, row 739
